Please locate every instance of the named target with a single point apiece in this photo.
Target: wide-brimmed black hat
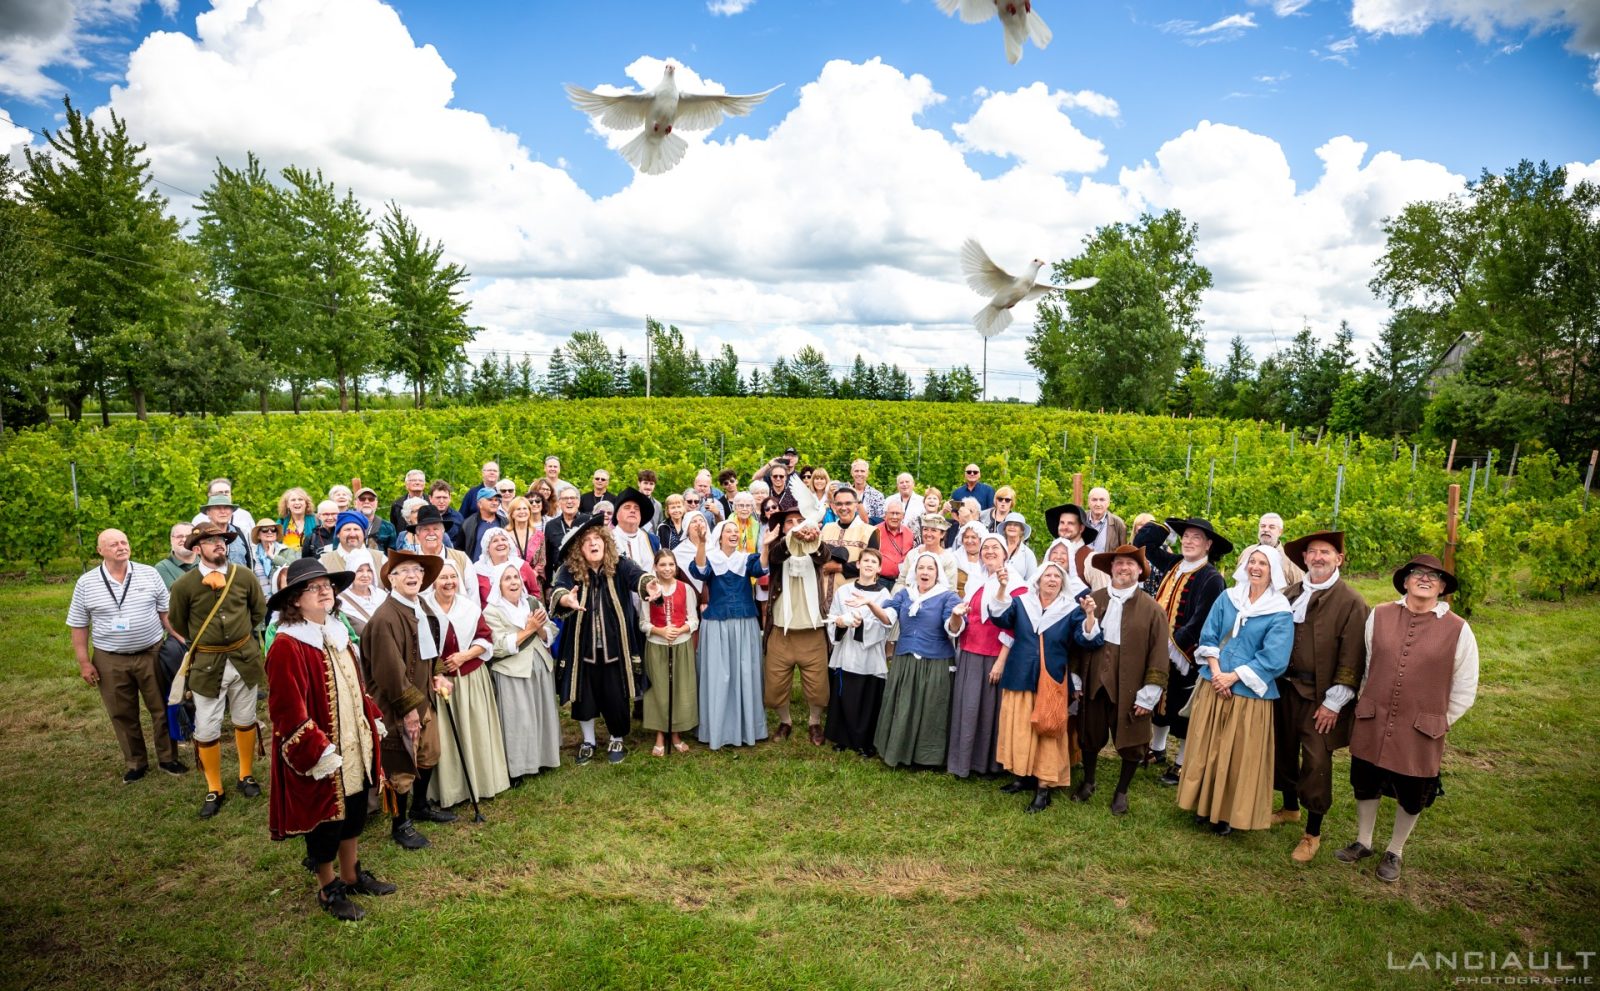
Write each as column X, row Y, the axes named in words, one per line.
column 1052, row 521
column 647, row 509
column 1424, row 561
column 302, row 572
column 428, row 513
column 594, row 521
column 1221, row 546
column 1295, row 550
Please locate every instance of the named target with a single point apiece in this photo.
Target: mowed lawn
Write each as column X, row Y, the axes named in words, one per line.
column 788, row 866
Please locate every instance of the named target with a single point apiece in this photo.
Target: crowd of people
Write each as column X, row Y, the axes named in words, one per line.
column 418, row 659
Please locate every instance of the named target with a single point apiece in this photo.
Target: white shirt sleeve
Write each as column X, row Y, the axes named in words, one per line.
column 1338, row 697
column 1464, row 678
column 1147, row 697
column 1251, row 679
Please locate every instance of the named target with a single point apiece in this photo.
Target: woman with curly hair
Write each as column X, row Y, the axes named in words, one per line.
column 295, row 517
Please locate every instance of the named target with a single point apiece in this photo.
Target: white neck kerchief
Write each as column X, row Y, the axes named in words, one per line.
column 1271, row 601
column 1302, row 602
column 1111, row 623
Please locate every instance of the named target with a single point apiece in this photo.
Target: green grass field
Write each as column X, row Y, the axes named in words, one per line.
column 788, row 866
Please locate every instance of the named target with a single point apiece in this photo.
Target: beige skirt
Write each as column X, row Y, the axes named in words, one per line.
column 1227, row 768
column 1027, row 754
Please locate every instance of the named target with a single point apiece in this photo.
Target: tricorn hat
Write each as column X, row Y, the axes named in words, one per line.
column 1052, row 521
column 1102, row 561
column 209, row 529
column 1424, row 561
column 1295, row 550
column 1221, row 546
column 431, row 566
column 302, row 572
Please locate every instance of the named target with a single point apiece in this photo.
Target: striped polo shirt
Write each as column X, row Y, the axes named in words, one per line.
column 122, row 616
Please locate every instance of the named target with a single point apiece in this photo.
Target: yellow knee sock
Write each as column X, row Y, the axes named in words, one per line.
column 245, row 740
column 210, row 757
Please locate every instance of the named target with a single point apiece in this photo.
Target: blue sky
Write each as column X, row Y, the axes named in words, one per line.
column 1422, row 89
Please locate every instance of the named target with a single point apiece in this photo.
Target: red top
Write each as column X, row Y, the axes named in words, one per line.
column 980, row 636
column 671, row 610
column 449, row 646
column 894, row 547
column 300, row 704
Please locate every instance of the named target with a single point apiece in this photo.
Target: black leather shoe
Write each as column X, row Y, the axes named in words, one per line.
column 1084, row 792
column 1169, row 777
column 1016, row 785
column 133, row 774
column 213, row 804
column 174, row 767
column 1222, row 829
column 333, row 900
column 248, row 788
column 405, row 834
column 1041, row 801
column 432, row 812
column 366, row 884
column 1119, row 804
column 1356, row 851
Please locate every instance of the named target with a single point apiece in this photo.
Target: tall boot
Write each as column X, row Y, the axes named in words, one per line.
column 422, row 809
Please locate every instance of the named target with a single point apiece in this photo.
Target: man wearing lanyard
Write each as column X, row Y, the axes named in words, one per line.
column 121, row 607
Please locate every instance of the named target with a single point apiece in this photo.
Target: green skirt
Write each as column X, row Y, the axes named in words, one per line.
column 914, row 723
column 685, row 687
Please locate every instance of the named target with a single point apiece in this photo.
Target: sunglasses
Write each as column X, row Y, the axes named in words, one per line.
column 972, row 471
column 1003, row 499
column 693, row 502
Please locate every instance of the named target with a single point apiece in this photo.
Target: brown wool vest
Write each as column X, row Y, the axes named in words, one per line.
column 1400, row 716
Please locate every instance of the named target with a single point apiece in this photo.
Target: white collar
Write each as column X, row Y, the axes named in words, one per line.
column 1439, row 609
column 330, row 634
column 205, row 569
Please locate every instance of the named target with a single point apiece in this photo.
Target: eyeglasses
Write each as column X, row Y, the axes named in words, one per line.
column 319, row 586
column 1427, row 575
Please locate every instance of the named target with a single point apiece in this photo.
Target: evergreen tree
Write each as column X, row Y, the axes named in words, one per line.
column 425, row 324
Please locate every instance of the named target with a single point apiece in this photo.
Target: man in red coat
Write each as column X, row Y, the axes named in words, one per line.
column 326, row 734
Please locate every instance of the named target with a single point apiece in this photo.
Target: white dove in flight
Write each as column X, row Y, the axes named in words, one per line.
column 659, row 112
column 988, row 279
column 1017, row 18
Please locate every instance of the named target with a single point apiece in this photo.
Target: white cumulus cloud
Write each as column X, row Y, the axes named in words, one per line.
column 1032, row 126
column 840, row 225
column 727, row 8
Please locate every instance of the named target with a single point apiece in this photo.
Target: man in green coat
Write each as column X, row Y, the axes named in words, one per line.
column 215, row 609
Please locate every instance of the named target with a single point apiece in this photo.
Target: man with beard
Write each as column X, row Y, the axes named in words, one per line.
column 1066, row 522
column 1191, row 585
column 1312, row 716
column 351, row 531
column 431, row 530
column 216, row 609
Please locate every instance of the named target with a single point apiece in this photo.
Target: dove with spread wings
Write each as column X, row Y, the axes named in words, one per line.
column 1006, row 290
column 660, row 112
column 1018, row 20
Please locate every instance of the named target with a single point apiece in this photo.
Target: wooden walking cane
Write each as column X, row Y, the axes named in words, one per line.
column 455, row 733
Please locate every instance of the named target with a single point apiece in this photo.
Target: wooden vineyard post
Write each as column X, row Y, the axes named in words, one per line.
column 1511, row 469
column 1077, row 488
column 1450, row 462
column 1453, row 505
